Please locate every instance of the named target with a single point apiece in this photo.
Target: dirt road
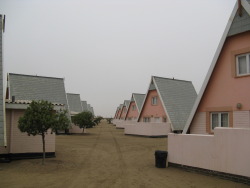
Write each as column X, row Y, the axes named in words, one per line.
column 104, row 157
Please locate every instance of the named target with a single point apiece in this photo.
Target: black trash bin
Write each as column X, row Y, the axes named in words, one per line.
column 160, row 158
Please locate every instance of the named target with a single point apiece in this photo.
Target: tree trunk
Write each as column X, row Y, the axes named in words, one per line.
column 43, row 138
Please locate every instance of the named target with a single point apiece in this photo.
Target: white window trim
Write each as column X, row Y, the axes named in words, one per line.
column 148, row 118
column 154, row 100
column 247, row 61
column 219, row 119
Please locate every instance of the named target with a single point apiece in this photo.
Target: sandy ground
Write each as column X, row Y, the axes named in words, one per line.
column 104, row 157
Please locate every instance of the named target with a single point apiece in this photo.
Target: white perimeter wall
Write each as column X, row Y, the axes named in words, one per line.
column 147, row 129
column 226, row 151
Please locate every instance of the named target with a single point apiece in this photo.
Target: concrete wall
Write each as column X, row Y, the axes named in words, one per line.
column 149, row 110
column 19, row 142
column 226, row 151
column 120, row 124
column 147, row 129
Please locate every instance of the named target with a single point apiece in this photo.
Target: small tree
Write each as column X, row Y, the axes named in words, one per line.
column 98, row 119
column 84, row 120
column 39, row 117
column 62, row 121
column 109, row 120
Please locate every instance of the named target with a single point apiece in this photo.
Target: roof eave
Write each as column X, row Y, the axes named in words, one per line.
column 211, row 68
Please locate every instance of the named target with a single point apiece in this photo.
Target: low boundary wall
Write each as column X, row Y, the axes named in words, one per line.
column 147, row 129
column 226, row 151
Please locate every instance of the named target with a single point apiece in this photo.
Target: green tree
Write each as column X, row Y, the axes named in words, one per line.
column 98, row 119
column 39, row 117
column 109, row 120
column 84, row 120
column 62, row 122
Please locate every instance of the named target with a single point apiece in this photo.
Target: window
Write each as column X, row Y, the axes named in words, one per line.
column 164, row 119
column 154, row 101
column 133, row 107
column 243, row 64
column 219, row 119
column 146, row 119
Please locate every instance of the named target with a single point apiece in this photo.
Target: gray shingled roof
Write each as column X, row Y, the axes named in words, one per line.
column 84, row 106
column 74, row 102
column 126, row 103
column 240, row 24
column 27, row 87
column 89, row 107
column 177, row 97
column 138, row 98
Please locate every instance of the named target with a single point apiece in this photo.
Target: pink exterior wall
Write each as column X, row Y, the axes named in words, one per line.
column 224, row 88
column 223, row 151
column 241, row 119
column 19, row 142
column 147, row 129
column 199, row 124
column 149, row 110
column 123, row 112
column 133, row 114
column 119, row 114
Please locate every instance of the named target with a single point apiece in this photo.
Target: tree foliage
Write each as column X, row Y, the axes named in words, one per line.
column 98, row 119
column 109, row 120
column 84, row 120
column 40, row 117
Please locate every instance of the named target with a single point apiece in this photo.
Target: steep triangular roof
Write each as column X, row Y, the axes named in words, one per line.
column 28, row 87
column 236, row 24
column 177, row 98
column 119, row 111
column 74, row 102
column 125, row 104
column 84, row 106
column 138, row 98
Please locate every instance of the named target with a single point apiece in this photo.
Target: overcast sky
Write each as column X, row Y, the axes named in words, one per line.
column 108, row 49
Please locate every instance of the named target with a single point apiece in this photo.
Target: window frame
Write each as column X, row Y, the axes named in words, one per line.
column 247, row 55
column 219, row 119
column 154, row 100
column 146, row 119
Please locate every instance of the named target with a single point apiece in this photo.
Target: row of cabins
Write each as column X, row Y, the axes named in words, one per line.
column 163, row 109
column 21, row 90
column 216, row 131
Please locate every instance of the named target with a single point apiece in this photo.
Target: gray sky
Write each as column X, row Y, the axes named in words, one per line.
column 108, row 49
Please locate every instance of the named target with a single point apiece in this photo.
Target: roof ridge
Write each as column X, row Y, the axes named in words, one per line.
column 73, row 93
column 138, row 94
column 34, row 76
column 171, row 79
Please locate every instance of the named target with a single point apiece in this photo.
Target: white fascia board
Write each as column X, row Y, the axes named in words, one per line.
column 165, row 109
column 246, row 6
column 210, row 71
